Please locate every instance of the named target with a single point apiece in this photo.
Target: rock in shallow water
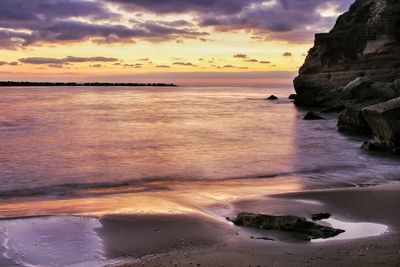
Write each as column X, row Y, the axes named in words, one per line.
column 272, row 97
column 352, row 120
column 289, row 223
column 311, row 116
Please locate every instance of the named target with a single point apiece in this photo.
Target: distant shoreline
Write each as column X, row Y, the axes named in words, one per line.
column 22, row 84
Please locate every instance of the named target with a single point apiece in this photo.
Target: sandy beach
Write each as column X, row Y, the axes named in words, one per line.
column 200, row 239
column 375, row 204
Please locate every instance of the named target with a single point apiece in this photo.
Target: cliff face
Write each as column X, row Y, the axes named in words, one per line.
column 365, row 42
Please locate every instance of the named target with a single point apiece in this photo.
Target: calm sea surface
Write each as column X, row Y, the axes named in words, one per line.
column 54, row 141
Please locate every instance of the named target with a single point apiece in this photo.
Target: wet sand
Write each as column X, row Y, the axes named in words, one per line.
column 203, row 239
column 375, row 204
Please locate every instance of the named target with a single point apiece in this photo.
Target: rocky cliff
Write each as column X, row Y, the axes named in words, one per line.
column 355, row 68
column 365, row 42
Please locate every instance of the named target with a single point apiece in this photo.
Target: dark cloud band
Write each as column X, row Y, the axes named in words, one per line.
column 28, row 22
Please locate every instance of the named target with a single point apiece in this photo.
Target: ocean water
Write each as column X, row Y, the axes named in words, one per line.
column 67, row 142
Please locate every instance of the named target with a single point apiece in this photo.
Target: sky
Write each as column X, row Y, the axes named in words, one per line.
column 180, row 41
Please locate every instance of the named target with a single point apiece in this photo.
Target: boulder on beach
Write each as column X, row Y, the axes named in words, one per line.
column 272, row 97
column 289, row 223
column 356, row 88
column 384, row 121
column 311, row 116
column 352, row 120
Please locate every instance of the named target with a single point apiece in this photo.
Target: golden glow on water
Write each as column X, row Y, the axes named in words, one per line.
column 181, row 197
column 126, row 150
column 133, row 150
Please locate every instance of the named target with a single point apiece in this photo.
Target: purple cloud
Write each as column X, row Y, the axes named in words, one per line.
column 24, row 22
column 2, row 63
column 281, row 19
column 291, row 20
column 183, row 6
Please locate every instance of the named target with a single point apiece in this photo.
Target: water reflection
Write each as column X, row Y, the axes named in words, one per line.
column 354, row 230
column 173, row 197
column 102, row 150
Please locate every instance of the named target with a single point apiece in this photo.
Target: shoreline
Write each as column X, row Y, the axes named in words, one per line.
column 182, row 239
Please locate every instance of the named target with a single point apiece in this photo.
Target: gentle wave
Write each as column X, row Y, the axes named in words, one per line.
column 147, row 184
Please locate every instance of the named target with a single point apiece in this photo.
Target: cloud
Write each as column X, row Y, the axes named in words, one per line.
column 265, row 62
column 240, row 56
column 41, row 60
column 2, row 63
column 96, row 66
column 270, row 19
column 183, row 6
column 290, row 20
column 64, row 61
column 24, row 23
column 55, row 65
column 184, row 64
column 89, row 59
column 162, row 66
column 287, row 54
column 251, row 60
column 10, row 39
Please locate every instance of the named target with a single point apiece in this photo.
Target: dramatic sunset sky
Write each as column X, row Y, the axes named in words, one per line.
column 160, row 40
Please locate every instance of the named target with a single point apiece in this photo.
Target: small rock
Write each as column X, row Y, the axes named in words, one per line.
column 368, row 146
column 312, row 116
column 320, row 216
column 272, row 97
column 293, row 96
column 352, row 120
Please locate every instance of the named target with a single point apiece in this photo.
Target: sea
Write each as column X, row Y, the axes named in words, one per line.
column 71, row 146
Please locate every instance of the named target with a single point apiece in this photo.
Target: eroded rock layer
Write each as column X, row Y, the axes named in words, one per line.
column 365, row 42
